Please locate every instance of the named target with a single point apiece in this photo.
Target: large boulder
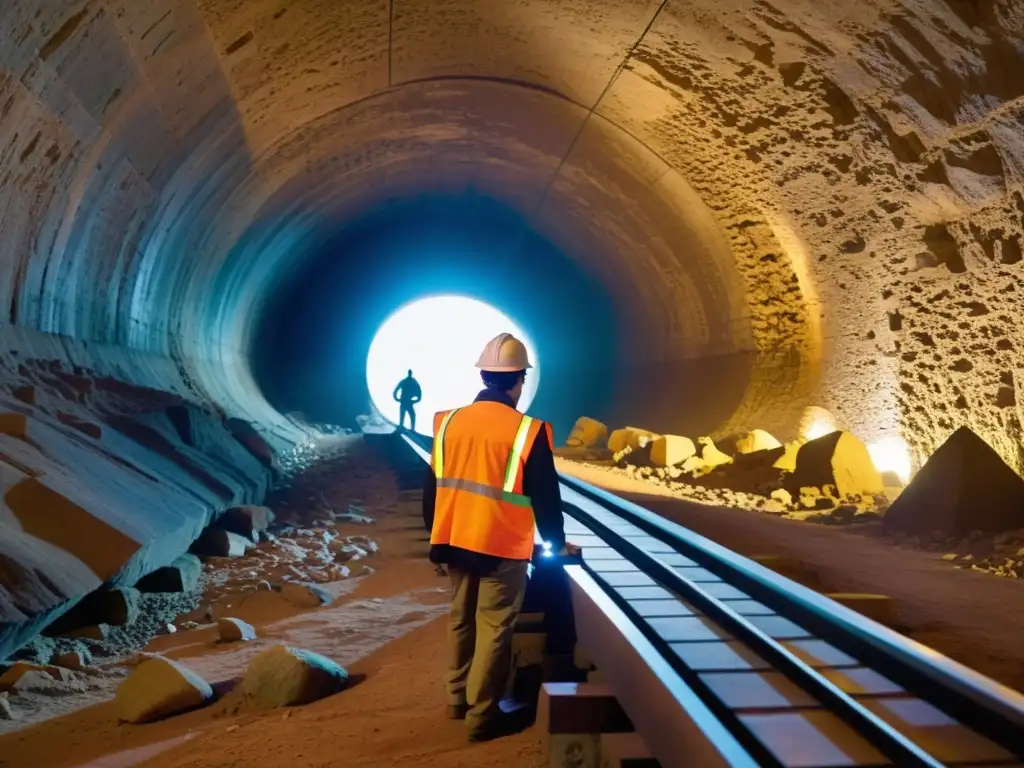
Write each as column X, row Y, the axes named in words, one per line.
column 283, row 676
column 587, row 433
column 838, row 459
column 671, row 450
column 629, row 437
column 158, row 688
column 248, row 521
column 756, row 440
column 964, row 486
column 180, row 576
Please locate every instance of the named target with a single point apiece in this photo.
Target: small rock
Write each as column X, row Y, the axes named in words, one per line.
column 216, row 542
column 233, row 630
column 21, row 670
column 949, row 556
column 757, row 440
column 305, row 595
column 782, row 496
column 74, row 660
column 587, row 433
column 671, row 450
column 97, row 632
column 283, row 676
column 157, row 688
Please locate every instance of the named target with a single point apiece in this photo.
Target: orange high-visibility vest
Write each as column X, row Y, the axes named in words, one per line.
column 478, row 459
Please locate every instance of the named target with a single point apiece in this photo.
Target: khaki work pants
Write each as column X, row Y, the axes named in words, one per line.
column 483, row 616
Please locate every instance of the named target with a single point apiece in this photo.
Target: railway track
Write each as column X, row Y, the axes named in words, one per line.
column 719, row 661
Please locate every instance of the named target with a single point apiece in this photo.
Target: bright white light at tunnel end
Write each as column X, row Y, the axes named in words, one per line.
column 440, row 338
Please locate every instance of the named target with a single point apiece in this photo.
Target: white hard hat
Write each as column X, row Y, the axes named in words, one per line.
column 504, row 354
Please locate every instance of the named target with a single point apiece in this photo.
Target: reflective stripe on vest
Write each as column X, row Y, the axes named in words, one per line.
column 505, row 493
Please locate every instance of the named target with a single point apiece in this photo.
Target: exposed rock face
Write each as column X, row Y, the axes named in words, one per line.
column 828, row 192
column 87, row 508
column 587, row 433
column 182, row 575
column 965, row 486
column 158, row 688
column 839, row 460
column 283, row 677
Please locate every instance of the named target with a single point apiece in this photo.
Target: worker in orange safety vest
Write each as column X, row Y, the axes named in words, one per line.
column 492, row 479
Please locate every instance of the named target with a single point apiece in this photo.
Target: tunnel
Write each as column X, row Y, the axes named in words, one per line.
column 708, row 216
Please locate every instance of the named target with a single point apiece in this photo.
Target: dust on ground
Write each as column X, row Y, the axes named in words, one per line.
column 355, row 494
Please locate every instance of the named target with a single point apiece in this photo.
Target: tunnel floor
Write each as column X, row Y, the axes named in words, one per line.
column 383, row 626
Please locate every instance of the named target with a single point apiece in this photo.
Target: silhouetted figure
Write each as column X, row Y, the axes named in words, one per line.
column 408, row 393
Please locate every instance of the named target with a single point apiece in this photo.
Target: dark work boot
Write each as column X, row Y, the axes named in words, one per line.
column 501, row 725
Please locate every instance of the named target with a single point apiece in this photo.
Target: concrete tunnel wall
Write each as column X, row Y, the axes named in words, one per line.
column 830, row 189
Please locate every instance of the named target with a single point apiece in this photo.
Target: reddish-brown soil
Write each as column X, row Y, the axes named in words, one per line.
column 387, row 629
column 974, row 618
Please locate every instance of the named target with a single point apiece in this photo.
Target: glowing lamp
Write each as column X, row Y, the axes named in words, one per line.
column 891, row 454
column 439, row 339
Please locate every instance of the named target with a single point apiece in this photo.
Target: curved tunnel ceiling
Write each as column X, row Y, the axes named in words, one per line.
column 833, row 189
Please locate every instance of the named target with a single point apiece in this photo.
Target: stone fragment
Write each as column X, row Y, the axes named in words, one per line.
column 629, row 437
column 231, row 630
column 248, row 521
column 158, row 688
column 14, row 424
column 182, row 575
column 964, row 486
column 114, row 607
column 283, row 676
column 756, row 440
column 587, row 433
column 710, row 455
column 782, row 496
column 787, row 461
column 838, row 459
column 305, row 595
column 74, row 660
column 217, row 542
column 671, row 450
column 6, row 713
column 18, row 671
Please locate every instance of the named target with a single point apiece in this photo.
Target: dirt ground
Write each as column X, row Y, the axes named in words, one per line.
column 974, row 618
column 386, row 628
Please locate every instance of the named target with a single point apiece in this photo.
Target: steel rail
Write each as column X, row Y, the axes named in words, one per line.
column 986, row 707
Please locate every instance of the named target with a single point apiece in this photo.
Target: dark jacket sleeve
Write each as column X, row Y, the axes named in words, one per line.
column 429, row 494
column 540, row 483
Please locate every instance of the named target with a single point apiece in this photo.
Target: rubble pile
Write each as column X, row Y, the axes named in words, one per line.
column 829, row 480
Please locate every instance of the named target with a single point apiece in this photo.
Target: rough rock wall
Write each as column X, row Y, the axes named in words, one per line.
column 876, row 151
column 102, row 482
column 861, row 162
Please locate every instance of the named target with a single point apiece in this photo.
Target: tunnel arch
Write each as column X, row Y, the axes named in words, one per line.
column 861, row 165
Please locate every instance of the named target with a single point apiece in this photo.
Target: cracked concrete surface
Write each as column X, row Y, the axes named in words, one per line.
column 833, row 188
